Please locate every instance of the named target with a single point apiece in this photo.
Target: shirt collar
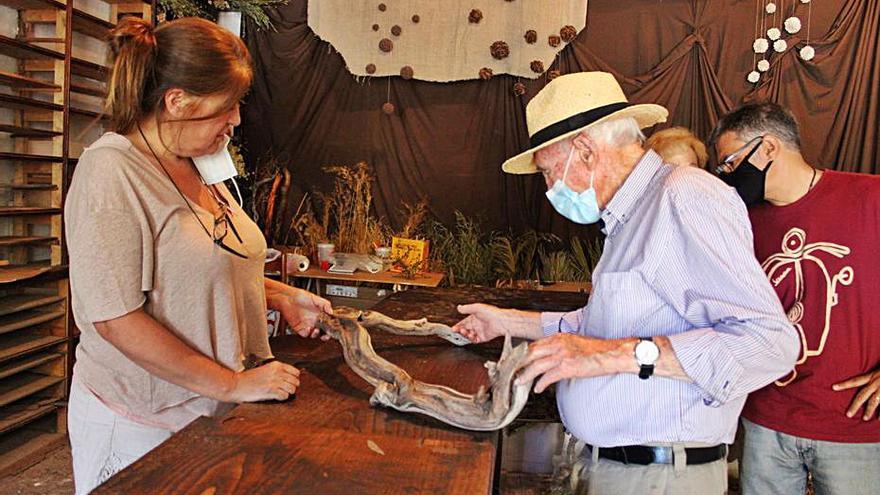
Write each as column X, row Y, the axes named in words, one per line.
column 621, row 206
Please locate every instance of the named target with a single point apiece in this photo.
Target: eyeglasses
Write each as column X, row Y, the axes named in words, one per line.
column 222, row 225
column 726, row 166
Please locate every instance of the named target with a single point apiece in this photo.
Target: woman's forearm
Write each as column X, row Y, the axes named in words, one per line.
column 154, row 348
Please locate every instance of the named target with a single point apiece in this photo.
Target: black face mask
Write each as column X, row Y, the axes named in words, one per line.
column 748, row 179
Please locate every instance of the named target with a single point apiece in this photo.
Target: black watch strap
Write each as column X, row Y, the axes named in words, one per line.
column 645, row 371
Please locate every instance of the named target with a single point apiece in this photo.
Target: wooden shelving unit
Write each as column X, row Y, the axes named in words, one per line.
column 50, row 90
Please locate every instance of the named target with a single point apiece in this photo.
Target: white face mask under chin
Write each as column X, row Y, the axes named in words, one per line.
column 218, row 167
column 582, row 208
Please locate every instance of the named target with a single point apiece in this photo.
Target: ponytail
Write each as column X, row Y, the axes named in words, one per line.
column 133, row 46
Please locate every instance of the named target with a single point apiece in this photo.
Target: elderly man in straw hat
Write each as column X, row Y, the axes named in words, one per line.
column 682, row 322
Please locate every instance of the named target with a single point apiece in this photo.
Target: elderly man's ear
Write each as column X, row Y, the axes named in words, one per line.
column 585, row 147
column 770, row 147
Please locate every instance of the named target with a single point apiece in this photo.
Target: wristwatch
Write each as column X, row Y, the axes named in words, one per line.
column 646, row 354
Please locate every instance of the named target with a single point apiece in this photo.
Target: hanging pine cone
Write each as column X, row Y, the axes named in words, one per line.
column 375, row 27
column 554, row 40
column 537, row 66
column 499, row 50
column 416, row 19
column 519, row 89
column 382, row 7
column 396, row 30
column 475, row 16
column 553, row 74
column 388, row 108
column 568, row 33
column 386, row 45
column 406, row 72
column 486, row 73
column 371, row 68
column 531, row 36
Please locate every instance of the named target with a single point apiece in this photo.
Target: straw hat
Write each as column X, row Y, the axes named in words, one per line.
column 572, row 103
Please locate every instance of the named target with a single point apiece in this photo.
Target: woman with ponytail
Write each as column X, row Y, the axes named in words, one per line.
column 166, row 272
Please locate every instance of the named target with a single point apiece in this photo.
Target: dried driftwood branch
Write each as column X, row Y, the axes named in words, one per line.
column 422, row 327
column 486, row 410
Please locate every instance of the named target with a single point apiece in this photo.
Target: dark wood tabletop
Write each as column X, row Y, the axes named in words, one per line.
column 329, row 440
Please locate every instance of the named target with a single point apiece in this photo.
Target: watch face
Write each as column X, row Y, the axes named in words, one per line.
column 647, row 352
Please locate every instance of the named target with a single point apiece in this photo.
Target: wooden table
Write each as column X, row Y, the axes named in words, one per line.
column 427, row 279
column 320, row 443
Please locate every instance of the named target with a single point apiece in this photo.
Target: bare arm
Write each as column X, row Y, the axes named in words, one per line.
column 153, row 347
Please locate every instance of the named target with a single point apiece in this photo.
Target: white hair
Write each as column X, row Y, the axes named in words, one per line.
column 617, row 132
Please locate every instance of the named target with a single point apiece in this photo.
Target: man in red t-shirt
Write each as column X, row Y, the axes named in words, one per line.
column 816, row 234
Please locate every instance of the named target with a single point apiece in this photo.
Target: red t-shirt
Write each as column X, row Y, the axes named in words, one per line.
column 822, row 256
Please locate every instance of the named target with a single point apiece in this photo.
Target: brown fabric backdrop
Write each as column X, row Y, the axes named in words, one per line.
column 446, row 141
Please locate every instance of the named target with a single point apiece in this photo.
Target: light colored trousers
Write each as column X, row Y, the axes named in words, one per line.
column 594, row 476
column 775, row 463
column 103, row 442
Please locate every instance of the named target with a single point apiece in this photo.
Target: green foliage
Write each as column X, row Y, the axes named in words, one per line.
column 209, row 9
column 464, row 251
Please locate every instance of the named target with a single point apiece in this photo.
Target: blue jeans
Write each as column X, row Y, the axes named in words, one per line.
column 777, row 463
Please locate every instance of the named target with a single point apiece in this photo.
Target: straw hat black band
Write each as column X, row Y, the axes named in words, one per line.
column 575, row 122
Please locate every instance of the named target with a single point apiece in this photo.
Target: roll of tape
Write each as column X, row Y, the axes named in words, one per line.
column 297, row 262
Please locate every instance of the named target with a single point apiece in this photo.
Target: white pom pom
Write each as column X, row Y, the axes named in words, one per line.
column 770, row 8
column 805, row 1
column 761, row 45
column 792, row 25
column 774, row 33
column 754, row 76
column 780, row 46
column 807, row 53
column 763, row 65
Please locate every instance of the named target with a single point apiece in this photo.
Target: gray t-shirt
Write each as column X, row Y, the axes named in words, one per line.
column 133, row 242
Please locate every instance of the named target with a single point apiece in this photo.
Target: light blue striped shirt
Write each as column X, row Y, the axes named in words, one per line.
column 678, row 261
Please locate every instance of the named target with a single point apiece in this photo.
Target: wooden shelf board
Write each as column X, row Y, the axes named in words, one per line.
column 17, row 345
column 91, row 70
column 25, row 103
column 16, row 303
column 25, row 447
column 24, row 384
column 26, row 51
column 32, row 4
column 19, row 273
column 87, row 89
column 30, row 411
column 15, row 240
column 26, row 363
column 11, row 211
column 20, row 82
column 25, row 319
column 27, row 132
column 87, row 113
column 27, row 157
column 29, row 187
column 87, row 24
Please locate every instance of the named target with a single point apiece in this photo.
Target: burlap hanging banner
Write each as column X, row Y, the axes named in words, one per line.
column 447, row 40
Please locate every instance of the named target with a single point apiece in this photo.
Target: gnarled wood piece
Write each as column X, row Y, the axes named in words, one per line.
column 483, row 411
column 372, row 319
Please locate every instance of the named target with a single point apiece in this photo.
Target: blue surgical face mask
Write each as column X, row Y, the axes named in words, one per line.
column 580, row 208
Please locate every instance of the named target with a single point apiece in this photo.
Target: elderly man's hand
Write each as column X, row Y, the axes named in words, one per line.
column 868, row 396
column 483, row 323
column 566, row 355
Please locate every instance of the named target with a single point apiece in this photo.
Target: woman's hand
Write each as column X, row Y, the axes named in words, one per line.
column 274, row 380
column 302, row 310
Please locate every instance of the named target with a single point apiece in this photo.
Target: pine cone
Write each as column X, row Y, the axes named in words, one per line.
column 537, row 66
column 371, row 68
column 386, row 45
column 554, row 40
column 486, row 73
column 499, row 50
column 475, row 16
column 519, row 89
column 406, row 72
column 531, row 36
column 396, row 30
column 568, row 33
